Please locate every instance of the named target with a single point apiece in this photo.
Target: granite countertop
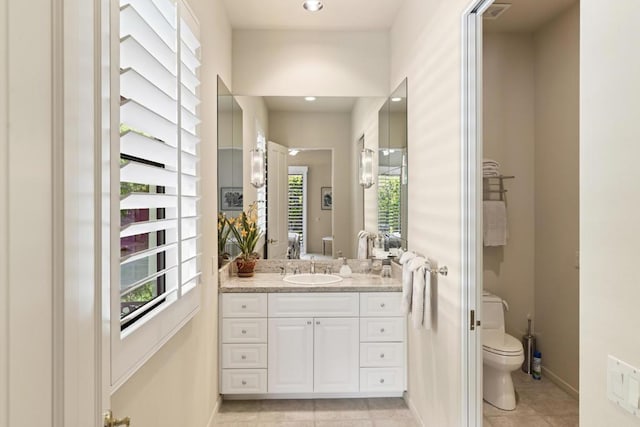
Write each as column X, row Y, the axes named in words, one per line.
column 273, row 282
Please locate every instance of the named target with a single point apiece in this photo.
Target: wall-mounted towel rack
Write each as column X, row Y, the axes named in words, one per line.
column 443, row 271
column 495, row 185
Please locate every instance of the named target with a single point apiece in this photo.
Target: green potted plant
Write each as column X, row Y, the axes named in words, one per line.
column 246, row 234
column 223, row 234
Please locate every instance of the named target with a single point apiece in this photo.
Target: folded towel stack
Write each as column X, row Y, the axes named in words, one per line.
column 490, row 168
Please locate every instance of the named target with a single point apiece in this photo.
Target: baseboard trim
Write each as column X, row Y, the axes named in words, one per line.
column 216, row 408
column 560, row 382
column 351, row 395
column 413, row 409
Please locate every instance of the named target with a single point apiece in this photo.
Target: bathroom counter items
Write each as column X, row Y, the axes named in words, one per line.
column 274, row 283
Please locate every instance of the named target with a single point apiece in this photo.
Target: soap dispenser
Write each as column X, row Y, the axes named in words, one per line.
column 345, row 270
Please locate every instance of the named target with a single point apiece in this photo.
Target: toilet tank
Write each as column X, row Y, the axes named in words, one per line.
column 492, row 312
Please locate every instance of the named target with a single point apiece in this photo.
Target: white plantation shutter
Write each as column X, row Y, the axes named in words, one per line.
column 159, row 155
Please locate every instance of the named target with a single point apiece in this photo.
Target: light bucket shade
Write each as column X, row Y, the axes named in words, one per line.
column 366, row 168
column 257, row 168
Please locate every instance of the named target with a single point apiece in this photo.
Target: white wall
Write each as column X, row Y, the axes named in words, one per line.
column 609, row 201
column 509, row 138
column 325, row 131
column 426, row 48
column 26, row 208
column 298, row 63
column 557, row 69
column 178, row 386
column 319, row 221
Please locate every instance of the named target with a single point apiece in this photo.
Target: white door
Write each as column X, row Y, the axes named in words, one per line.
column 336, row 355
column 290, row 354
column 277, row 195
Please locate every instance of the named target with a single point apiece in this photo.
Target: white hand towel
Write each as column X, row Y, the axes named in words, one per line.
column 426, row 321
column 417, row 298
column 407, row 281
column 363, row 245
column 494, row 222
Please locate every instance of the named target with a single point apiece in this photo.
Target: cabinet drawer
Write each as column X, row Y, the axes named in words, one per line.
column 239, row 381
column 381, row 379
column 339, row 304
column 242, row 331
column 244, row 305
column 380, row 304
column 244, row 356
column 382, row 329
column 378, row 354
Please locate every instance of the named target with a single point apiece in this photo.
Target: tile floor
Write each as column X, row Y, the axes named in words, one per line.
column 540, row 404
column 380, row 412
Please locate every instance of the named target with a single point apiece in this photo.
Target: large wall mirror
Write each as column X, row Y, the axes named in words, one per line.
column 313, row 203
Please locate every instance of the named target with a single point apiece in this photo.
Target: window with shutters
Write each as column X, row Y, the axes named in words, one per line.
column 157, row 167
column 297, row 204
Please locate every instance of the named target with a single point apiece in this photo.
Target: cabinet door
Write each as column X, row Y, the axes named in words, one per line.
column 336, row 361
column 290, row 347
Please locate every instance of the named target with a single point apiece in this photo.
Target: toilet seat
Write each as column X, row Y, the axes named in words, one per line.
column 500, row 343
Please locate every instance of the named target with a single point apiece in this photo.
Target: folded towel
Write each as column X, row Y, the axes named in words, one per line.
column 490, row 162
column 417, row 298
column 494, row 222
column 407, row 281
column 363, row 245
column 426, row 321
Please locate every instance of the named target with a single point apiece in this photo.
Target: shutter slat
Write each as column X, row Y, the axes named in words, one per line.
column 189, row 79
column 152, row 15
column 140, row 146
column 134, row 56
column 132, row 25
column 146, row 174
column 189, row 100
column 135, row 86
column 189, row 59
column 148, row 201
column 147, row 227
column 188, row 37
column 146, row 253
column 147, row 121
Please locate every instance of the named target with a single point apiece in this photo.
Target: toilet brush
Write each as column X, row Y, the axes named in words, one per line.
column 529, row 345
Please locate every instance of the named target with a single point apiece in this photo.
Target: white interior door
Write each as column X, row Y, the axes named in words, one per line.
column 277, row 193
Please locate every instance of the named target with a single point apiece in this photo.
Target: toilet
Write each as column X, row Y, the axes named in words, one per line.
column 501, row 355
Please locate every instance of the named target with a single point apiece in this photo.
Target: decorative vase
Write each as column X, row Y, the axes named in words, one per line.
column 245, row 266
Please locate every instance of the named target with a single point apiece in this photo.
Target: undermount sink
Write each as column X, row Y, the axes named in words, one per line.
column 313, row 279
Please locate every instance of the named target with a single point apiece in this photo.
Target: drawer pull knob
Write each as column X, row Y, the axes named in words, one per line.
column 244, row 305
column 243, row 357
column 308, row 322
column 381, row 305
column 318, row 322
column 381, row 355
column 382, row 330
column 381, row 380
column 244, row 382
column 244, row 331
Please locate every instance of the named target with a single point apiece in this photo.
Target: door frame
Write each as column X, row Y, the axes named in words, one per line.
column 471, row 214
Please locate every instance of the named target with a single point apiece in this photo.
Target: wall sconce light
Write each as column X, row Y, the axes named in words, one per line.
column 257, row 168
column 366, row 168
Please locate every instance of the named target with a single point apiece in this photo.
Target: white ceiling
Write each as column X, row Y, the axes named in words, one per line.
column 344, row 15
column 323, row 104
column 526, row 15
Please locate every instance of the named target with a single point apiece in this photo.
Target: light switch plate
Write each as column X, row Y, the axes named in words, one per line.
column 623, row 385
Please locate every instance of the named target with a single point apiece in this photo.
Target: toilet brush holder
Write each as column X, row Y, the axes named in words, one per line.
column 529, row 345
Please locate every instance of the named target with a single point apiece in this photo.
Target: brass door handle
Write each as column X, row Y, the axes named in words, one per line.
column 110, row 421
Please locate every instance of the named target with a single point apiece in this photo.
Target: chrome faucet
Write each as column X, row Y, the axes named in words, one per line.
column 312, row 267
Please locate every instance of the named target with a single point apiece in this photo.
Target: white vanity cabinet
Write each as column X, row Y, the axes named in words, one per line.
column 313, row 343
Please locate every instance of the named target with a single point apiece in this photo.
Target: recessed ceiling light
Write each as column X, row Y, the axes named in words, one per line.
column 310, row 98
column 313, row 5
column 293, row 152
column 396, row 99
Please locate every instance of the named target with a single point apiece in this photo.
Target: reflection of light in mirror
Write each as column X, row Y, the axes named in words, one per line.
column 310, row 98
column 385, row 152
column 396, row 99
column 404, row 174
column 293, row 152
column 257, row 168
